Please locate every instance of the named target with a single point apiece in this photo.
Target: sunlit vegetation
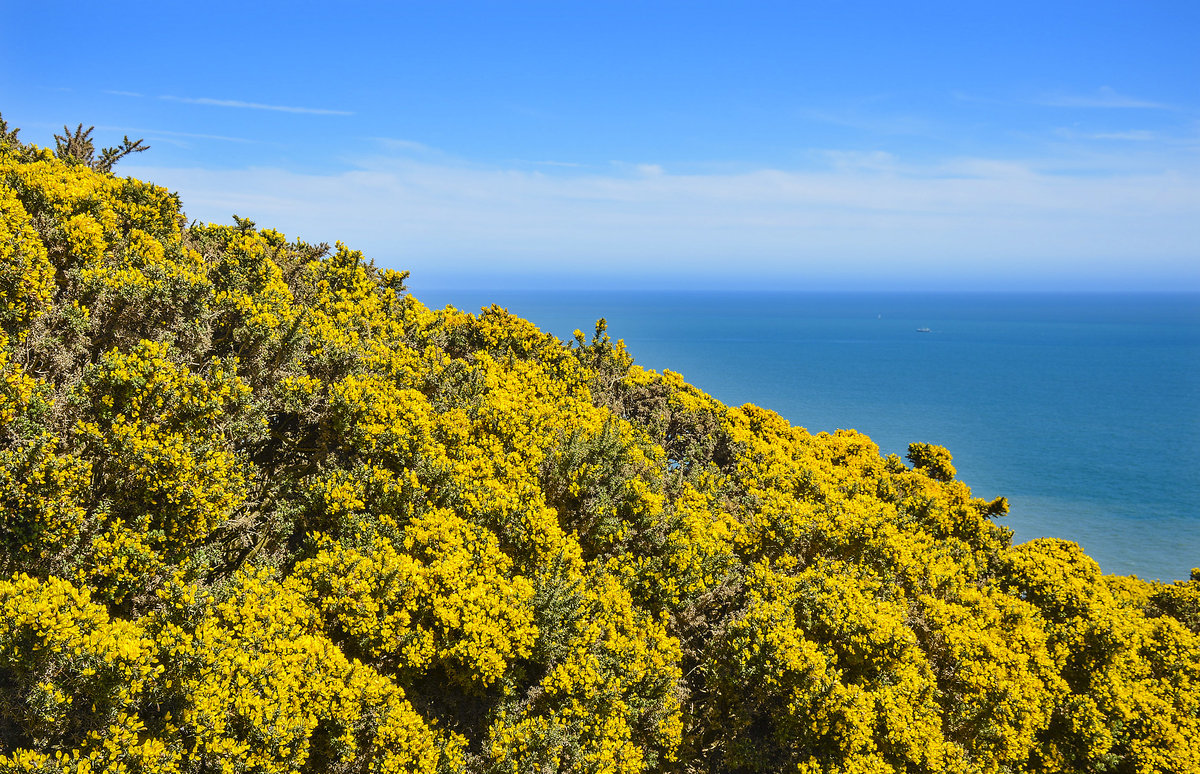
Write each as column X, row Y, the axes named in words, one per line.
column 263, row 511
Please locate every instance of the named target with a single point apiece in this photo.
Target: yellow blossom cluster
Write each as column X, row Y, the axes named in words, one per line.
column 263, row 511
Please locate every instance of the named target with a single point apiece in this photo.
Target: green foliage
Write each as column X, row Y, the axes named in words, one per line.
column 77, row 147
column 261, row 510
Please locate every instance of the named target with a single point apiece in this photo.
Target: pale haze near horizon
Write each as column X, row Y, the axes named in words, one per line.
column 748, row 145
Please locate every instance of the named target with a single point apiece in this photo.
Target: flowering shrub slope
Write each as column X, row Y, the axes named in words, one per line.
column 263, row 511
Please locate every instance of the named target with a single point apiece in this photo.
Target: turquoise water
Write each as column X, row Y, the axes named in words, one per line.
column 1083, row 410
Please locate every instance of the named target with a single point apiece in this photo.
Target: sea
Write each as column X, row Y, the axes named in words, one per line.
column 1082, row 409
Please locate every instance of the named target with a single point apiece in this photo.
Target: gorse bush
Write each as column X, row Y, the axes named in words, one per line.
column 262, row 511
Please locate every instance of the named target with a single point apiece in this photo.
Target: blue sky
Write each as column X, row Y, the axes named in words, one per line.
column 958, row 145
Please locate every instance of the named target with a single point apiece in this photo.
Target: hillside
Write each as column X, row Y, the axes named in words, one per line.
column 263, row 511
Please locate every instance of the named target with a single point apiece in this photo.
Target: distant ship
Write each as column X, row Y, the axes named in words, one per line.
column 924, row 330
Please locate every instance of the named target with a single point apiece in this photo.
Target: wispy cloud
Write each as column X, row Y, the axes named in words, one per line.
column 165, row 134
column 876, row 123
column 877, row 161
column 1134, row 135
column 1105, row 97
column 565, row 164
column 119, row 93
column 963, row 96
column 860, row 214
column 234, row 103
column 403, row 146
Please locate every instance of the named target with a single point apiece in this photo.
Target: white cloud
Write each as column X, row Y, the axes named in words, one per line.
column 163, row 134
column 871, row 121
column 398, row 145
column 1132, row 135
column 1105, row 97
column 867, row 216
column 233, row 103
column 878, row 161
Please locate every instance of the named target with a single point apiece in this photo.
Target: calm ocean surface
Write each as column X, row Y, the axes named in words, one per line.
column 1083, row 410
